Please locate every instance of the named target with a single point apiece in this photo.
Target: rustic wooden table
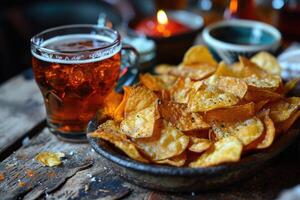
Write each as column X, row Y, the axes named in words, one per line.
column 82, row 176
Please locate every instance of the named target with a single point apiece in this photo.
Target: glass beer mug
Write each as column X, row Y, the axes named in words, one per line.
column 76, row 67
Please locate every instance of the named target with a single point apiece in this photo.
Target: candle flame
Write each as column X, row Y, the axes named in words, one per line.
column 233, row 6
column 162, row 17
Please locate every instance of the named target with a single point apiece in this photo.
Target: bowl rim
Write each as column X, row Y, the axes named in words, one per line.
column 210, row 40
column 257, row 157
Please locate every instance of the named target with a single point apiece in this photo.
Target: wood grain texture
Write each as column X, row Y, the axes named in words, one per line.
column 26, row 178
column 22, row 108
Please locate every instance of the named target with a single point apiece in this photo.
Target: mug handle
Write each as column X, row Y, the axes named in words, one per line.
column 129, row 70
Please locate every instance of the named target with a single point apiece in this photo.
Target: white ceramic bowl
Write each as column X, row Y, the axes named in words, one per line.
column 231, row 38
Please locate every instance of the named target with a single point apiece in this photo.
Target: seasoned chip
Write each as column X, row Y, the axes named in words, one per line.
column 290, row 85
column 49, row 159
column 152, row 82
column 182, row 88
column 283, row 109
column 121, row 143
column 232, row 113
column 269, row 132
column 233, row 85
column 163, row 69
column 198, row 55
column 193, row 72
column 268, row 82
column 247, row 68
column 171, row 142
column 140, row 124
column 224, row 70
column 139, row 98
column 199, row 145
column 209, row 98
column 177, row 161
column 287, row 124
column 110, row 126
column 260, row 104
column 168, row 80
column 267, row 62
column 119, row 111
column 246, row 131
column 179, row 91
column 111, row 103
column 257, row 77
column 178, row 115
column 256, row 95
column 226, row 150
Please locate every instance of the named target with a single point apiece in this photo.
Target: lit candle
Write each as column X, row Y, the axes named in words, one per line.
column 161, row 26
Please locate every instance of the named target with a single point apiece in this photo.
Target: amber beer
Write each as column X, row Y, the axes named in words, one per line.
column 75, row 72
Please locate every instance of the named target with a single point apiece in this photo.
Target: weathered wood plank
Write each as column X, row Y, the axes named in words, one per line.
column 22, row 108
column 83, row 175
column 25, row 177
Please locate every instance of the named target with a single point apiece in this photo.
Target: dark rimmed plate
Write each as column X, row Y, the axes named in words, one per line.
column 185, row 179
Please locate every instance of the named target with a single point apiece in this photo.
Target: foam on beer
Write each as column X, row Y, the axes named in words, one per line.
column 76, row 58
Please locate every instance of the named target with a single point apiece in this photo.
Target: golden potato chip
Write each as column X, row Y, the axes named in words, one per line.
column 163, row 69
column 168, row 80
column 287, row 124
column 179, row 91
column 152, row 82
column 267, row 62
column 198, row 55
column 226, row 150
column 121, row 143
column 260, row 104
column 256, row 95
column 119, row 111
column 178, row 115
column 199, row 145
column 232, row 113
column 182, row 88
column 257, row 77
column 282, row 110
column 246, row 131
column 247, row 68
column 177, row 161
column 194, row 73
column 49, row 159
column 111, row 103
column 171, row 142
column 140, row 124
column 233, row 85
column 139, row 98
column 110, row 126
column 269, row 132
column 290, row 85
column 209, row 98
column 224, row 70
column 267, row 82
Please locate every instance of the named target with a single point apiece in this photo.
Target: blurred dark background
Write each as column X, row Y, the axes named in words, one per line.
column 20, row 20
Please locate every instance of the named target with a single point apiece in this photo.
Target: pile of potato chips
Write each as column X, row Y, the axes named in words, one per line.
column 200, row 113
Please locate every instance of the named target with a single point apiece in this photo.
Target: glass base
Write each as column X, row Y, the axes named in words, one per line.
column 74, row 137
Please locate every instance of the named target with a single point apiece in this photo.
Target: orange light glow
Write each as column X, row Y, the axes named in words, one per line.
column 233, row 6
column 162, row 17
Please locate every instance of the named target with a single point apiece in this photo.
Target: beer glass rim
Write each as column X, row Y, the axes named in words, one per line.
column 57, row 28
